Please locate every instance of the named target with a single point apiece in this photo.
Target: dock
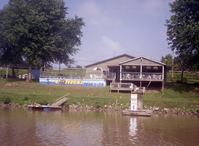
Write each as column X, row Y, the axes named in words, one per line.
column 57, row 105
column 143, row 113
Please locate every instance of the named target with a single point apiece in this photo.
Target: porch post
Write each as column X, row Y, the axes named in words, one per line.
column 120, row 73
column 162, row 77
column 140, row 75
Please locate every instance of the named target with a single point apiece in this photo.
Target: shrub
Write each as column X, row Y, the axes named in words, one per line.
column 7, row 100
column 43, row 102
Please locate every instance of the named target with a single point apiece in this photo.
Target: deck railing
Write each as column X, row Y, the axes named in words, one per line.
column 100, row 75
column 110, row 76
column 144, row 76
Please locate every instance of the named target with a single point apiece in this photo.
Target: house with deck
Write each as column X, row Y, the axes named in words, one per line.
column 141, row 71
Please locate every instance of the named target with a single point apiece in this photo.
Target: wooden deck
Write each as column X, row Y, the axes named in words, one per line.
column 122, row 87
column 126, row 87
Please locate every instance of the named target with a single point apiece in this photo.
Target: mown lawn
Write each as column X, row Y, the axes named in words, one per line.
column 174, row 95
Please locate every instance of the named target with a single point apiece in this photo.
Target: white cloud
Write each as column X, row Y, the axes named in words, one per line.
column 111, row 45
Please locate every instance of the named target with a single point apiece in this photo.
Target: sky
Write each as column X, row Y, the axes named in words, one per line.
column 115, row 27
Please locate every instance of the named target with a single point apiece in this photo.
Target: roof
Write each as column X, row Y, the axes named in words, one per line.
column 123, row 55
column 141, row 58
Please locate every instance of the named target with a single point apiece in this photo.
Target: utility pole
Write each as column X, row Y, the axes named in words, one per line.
column 7, row 70
column 172, row 64
column 59, row 67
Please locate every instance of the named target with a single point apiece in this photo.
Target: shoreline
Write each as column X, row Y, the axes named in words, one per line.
column 79, row 108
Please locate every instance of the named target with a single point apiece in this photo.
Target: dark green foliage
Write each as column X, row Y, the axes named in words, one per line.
column 7, row 100
column 183, row 32
column 43, row 102
column 38, row 32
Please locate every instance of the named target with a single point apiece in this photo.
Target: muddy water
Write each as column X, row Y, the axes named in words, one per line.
column 26, row 128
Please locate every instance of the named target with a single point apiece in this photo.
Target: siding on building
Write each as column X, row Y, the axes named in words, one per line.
column 109, row 62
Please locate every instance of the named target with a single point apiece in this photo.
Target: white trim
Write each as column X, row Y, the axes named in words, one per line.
column 141, row 58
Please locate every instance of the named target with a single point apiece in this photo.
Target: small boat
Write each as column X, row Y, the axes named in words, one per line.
column 44, row 107
column 144, row 113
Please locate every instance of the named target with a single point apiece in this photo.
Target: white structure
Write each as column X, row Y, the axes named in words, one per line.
column 134, row 101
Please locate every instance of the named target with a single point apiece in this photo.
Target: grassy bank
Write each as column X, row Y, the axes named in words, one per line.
column 174, row 95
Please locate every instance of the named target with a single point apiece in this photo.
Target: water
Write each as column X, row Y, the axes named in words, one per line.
column 26, row 128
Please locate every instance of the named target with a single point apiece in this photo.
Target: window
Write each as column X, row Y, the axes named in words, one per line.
column 148, row 67
column 127, row 67
column 134, row 67
column 155, row 68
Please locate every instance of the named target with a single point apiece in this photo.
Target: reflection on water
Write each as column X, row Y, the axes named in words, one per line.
column 70, row 129
column 25, row 128
column 133, row 126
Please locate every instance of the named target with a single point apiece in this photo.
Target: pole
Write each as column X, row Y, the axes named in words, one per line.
column 7, row 72
column 59, row 67
column 172, row 65
column 120, row 73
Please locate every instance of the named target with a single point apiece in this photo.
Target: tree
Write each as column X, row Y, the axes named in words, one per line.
column 9, row 56
column 167, row 59
column 183, row 32
column 39, row 32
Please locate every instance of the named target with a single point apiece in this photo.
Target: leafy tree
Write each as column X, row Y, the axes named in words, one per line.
column 78, row 66
column 183, row 32
column 9, row 56
column 167, row 60
column 38, row 32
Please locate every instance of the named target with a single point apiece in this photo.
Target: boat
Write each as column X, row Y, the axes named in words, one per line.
column 144, row 113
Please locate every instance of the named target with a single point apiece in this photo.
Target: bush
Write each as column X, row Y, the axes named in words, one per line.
column 7, row 100
column 25, row 98
column 97, row 105
column 43, row 102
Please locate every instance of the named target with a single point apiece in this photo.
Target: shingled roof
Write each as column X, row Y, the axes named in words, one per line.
column 106, row 60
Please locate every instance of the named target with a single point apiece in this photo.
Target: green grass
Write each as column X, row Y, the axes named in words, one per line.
column 26, row 93
column 174, row 95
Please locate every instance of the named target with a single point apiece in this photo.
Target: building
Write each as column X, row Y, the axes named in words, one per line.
column 141, row 71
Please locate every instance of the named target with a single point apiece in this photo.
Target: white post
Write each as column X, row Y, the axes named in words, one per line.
column 141, row 75
column 162, row 77
column 163, row 72
column 134, row 102
column 120, row 73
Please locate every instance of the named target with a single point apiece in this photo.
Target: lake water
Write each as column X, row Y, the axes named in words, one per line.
column 26, row 128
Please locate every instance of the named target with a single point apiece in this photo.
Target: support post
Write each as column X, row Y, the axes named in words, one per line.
column 120, row 73
column 141, row 75
column 162, row 77
column 7, row 71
